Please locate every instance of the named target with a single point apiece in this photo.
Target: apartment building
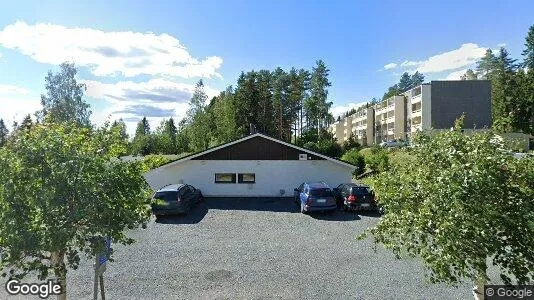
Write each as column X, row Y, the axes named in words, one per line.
column 434, row 105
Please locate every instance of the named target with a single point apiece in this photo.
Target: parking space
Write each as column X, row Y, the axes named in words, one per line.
column 258, row 249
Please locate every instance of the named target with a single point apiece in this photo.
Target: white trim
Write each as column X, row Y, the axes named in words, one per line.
column 247, row 138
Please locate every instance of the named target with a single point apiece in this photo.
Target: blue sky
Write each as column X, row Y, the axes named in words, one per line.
column 143, row 58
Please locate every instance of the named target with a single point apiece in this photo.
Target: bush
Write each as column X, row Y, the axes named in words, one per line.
column 153, row 161
column 354, row 157
column 377, row 159
column 350, row 144
column 329, row 147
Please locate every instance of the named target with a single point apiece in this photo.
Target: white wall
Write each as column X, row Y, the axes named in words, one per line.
column 271, row 175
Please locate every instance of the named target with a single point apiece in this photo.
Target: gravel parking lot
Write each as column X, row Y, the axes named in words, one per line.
column 257, row 249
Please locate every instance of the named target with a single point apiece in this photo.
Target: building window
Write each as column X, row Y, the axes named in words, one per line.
column 246, row 178
column 224, row 178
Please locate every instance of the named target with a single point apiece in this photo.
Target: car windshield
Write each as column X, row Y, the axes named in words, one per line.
column 361, row 190
column 321, row 193
column 166, row 196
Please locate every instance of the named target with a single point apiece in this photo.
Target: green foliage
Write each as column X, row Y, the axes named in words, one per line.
column 461, row 202
column 63, row 100
column 329, row 147
column 3, row 133
column 154, row 161
column 354, row 157
column 62, row 194
column 113, row 139
column 350, row 143
column 528, row 52
column 376, row 159
column 143, row 142
column 469, row 75
column 310, row 146
column 406, row 82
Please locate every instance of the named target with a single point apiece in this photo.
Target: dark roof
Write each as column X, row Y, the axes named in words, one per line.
column 191, row 156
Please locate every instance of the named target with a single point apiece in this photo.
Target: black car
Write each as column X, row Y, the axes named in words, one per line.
column 175, row 199
column 354, row 196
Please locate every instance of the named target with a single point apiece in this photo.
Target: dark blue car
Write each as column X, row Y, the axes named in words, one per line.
column 315, row 196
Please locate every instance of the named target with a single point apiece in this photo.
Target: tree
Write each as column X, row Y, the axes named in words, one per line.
column 442, row 208
column 27, row 123
column 318, row 107
column 503, row 87
column 486, row 65
column 3, row 133
column 199, row 119
column 225, row 122
column 350, row 143
column 469, row 75
column 198, row 100
column 392, row 91
column 142, row 143
column 113, row 138
column 64, row 198
column 165, row 137
column 405, row 82
column 417, row 79
column 528, row 53
column 63, row 100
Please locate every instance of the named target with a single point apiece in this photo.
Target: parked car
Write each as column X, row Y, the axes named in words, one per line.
column 392, row 144
column 315, row 196
column 175, row 199
column 354, row 196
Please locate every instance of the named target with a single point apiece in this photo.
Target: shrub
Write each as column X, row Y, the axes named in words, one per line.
column 377, row 160
column 350, row 144
column 329, row 147
column 354, row 157
column 153, row 161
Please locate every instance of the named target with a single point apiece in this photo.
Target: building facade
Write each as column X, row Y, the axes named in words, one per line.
column 434, row 105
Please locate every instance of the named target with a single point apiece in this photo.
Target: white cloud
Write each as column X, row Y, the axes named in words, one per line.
column 7, row 89
column 156, row 99
column 410, row 63
column 390, row 66
column 455, row 75
column 108, row 53
column 339, row 110
column 466, row 55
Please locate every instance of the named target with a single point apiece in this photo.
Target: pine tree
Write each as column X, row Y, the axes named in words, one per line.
column 405, row 82
column 142, row 143
column 265, row 110
column 27, row 123
column 528, row 53
column 319, row 107
column 469, row 75
column 486, row 65
column 3, row 133
column 417, row 79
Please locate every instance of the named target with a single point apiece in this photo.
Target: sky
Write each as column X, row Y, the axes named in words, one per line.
column 143, row 58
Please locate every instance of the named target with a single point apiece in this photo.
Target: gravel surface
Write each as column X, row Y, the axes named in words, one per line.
column 257, row 249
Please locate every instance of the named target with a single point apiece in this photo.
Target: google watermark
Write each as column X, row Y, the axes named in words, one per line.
column 43, row 290
column 501, row 292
